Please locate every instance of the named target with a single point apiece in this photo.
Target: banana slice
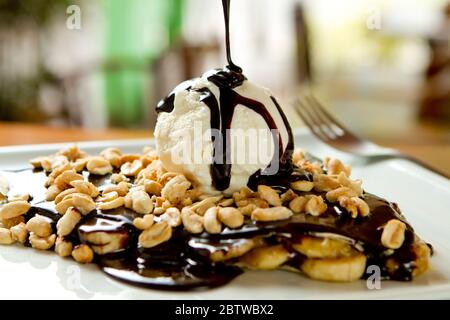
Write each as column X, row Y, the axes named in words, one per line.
column 314, row 247
column 344, row 269
column 422, row 262
column 266, row 257
column 235, row 250
column 103, row 242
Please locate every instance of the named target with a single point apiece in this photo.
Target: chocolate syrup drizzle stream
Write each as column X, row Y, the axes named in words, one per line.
column 226, row 15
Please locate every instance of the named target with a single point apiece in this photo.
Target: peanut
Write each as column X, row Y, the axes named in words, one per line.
column 39, row 226
column 334, row 195
column 155, row 235
column 9, row 223
column 113, row 204
column 52, row 192
column 211, row 222
column 116, row 178
column 335, row 166
column 175, row 190
column 63, row 247
column 355, row 206
column 121, row 188
column 141, row 202
column 270, row 195
column 298, row 204
column 113, row 155
column 80, row 164
column 144, row 223
column 14, row 209
column 315, row 206
column 42, row 243
column 288, row 196
column 19, row 232
column 64, row 179
column 323, row 182
column 152, row 187
column 393, row 234
column 60, row 197
column 80, row 201
column 108, row 196
column 99, row 166
column 203, row 205
column 231, row 217
column 6, row 236
column 67, row 222
column 83, row 254
column 131, row 169
column 304, row 186
column 271, row 214
column 85, row 187
column 192, row 222
column 172, row 216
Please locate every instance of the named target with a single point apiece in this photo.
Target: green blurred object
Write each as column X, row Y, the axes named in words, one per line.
column 136, row 31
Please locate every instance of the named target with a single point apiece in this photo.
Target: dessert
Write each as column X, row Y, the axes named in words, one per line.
column 148, row 226
column 151, row 220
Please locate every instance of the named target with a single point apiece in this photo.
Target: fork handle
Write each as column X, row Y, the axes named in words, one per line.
column 418, row 162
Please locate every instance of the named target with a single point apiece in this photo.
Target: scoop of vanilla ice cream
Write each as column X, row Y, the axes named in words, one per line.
column 184, row 142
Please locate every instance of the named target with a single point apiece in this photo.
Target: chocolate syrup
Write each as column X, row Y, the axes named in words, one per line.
column 226, row 15
column 166, row 105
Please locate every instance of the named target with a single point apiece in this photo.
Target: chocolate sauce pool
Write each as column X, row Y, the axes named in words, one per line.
column 183, row 262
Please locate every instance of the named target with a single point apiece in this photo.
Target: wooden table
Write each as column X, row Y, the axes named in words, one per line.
column 436, row 154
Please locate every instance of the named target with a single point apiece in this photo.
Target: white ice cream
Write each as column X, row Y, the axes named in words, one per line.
column 184, row 143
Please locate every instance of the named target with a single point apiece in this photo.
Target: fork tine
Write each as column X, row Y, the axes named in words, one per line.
column 302, row 111
column 326, row 125
column 319, row 123
column 329, row 118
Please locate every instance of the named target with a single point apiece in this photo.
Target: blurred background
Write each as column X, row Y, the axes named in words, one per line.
column 383, row 67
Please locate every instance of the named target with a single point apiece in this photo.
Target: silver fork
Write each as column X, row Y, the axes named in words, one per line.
column 327, row 129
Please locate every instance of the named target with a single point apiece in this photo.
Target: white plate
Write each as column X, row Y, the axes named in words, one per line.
column 423, row 197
